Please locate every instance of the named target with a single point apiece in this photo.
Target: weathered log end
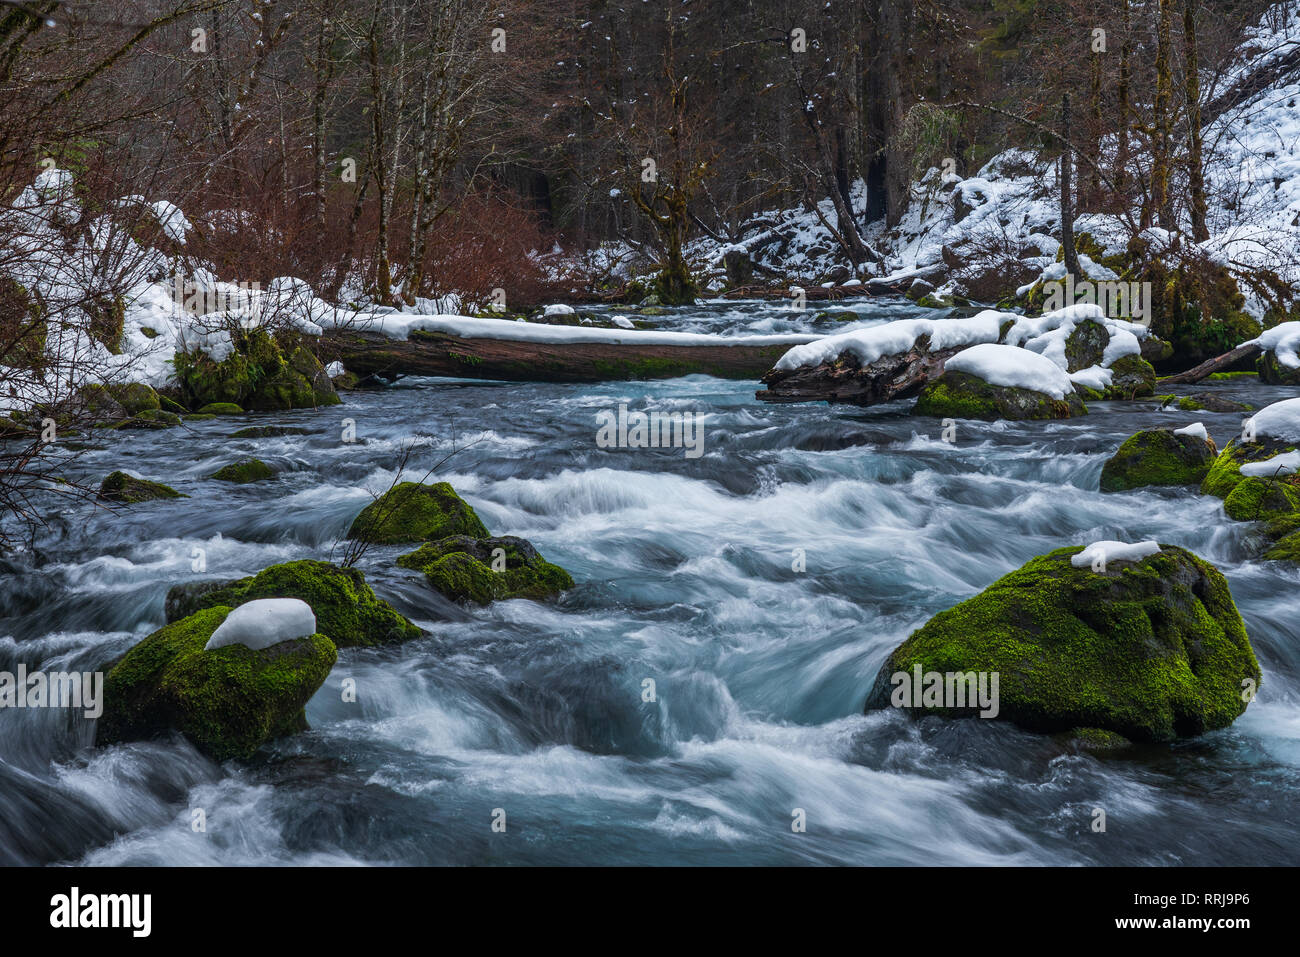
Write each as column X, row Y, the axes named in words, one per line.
column 843, row 380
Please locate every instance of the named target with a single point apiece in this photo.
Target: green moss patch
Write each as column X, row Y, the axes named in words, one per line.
column 221, row 408
column 412, row 512
column 346, row 608
column 483, row 570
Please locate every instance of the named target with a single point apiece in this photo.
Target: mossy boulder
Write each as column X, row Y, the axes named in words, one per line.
column 221, row 408
column 118, row 401
column 241, row 473
column 1086, row 345
column 128, row 490
column 1153, row 650
column 1130, row 377
column 228, row 702
column 260, row 374
column 1157, row 457
column 960, row 395
column 346, row 608
column 483, row 570
column 151, row 419
column 412, row 512
column 1256, row 499
column 1273, row 372
column 1251, row 498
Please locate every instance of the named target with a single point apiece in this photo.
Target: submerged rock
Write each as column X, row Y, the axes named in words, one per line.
column 241, row 473
column 412, row 512
column 1151, row 649
column 960, row 395
column 1157, row 457
column 346, row 608
column 128, row 490
column 227, row 701
column 484, row 570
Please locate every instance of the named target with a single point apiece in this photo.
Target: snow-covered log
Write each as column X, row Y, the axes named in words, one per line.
column 630, row 356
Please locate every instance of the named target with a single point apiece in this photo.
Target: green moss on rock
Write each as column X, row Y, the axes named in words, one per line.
column 960, row 395
column 1153, row 650
column 228, row 702
column 1157, row 457
column 221, row 408
column 346, row 608
column 1273, row 372
column 484, row 570
column 1261, row 499
column 249, row 470
column 127, row 490
column 412, row 512
column 257, row 375
column 1086, row 345
column 1130, row 377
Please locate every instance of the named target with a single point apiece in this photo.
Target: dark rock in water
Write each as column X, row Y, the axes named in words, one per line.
column 412, row 512
column 484, row 570
column 346, row 608
column 960, row 395
column 1152, row 650
column 1156, row 350
column 185, row 599
column 1273, row 372
column 228, row 701
column 1157, row 457
column 1214, row 403
column 127, row 490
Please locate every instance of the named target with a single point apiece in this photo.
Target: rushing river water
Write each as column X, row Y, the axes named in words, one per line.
column 686, row 572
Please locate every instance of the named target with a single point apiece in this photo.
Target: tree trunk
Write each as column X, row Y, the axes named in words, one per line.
column 1160, row 159
column 1195, row 162
column 440, row 354
column 1067, row 201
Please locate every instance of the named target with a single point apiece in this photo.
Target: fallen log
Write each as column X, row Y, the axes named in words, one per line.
column 1210, row 366
column 896, row 376
column 431, row 353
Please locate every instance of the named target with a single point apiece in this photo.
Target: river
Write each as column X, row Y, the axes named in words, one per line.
column 751, row 593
